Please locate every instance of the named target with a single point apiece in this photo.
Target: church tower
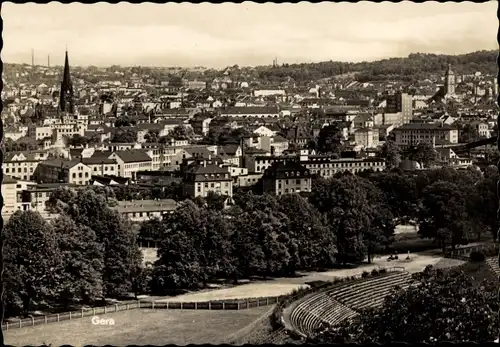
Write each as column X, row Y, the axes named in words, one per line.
column 66, row 94
column 449, row 81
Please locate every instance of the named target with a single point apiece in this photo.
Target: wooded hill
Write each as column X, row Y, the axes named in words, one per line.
column 417, row 66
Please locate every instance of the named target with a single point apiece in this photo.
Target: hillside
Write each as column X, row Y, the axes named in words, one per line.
column 416, row 66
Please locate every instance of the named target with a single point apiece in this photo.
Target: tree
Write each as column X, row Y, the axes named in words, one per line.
column 312, row 242
column 344, row 201
column 179, row 263
column 125, row 136
column 125, row 121
column 153, row 229
column 424, row 154
column 380, row 231
column 121, row 252
column 77, row 141
column 442, row 307
column 152, row 136
column 444, row 214
column 215, row 201
column 392, row 154
column 81, row 263
column 181, row 132
column 330, row 140
column 400, row 191
column 31, row 260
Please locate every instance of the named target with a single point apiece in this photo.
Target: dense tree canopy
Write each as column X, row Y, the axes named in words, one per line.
column 439, row 307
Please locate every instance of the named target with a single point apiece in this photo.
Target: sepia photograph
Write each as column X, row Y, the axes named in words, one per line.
column 307, row 173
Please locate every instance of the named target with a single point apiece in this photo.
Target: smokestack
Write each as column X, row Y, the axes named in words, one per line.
column 48, row 60
column 32, row 57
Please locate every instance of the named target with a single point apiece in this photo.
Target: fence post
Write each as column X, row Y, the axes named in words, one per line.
column 223, row 305
column 127, row 307
column 209, row 305
column 153, row 305
column 69, row 315
column 139, row 304
column 58, row 317
column 167, row 305
column 258, row 302
column 116, row 308
column 82, row 312
column 182, row 305
column 20, row 323
column 104, row 309
column 32, row 321
column 45, row 319
column 195, row 305
column 6, row 325
column 267, row 301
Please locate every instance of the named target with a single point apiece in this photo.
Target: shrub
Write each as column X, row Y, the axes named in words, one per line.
column 476, row 257
column 365, row 274
column 375, row 272
column 382, row 271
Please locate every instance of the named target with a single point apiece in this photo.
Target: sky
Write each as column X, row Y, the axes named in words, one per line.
column 220, row 35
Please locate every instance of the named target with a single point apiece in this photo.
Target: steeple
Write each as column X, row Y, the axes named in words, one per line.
column 66, row 94
column 449, row 81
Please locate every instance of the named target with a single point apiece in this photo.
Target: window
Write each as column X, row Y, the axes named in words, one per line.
column 297, row 181
column 74, row 175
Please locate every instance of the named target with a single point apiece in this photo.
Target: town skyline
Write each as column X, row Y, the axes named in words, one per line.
column 450, row 28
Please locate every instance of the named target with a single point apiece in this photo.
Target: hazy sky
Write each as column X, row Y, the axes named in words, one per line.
column 245, row 34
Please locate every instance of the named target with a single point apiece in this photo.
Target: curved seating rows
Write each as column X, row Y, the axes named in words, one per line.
column 493, row 264
column 343, row 301
column 372, row 292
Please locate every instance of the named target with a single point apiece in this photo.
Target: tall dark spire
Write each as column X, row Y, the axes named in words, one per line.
column 66, row 94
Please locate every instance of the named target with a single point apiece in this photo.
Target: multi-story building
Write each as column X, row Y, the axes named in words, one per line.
column 131, row 161
column 400, row 102
column 63, row 171
column 101, row 166
column 415, row 133
column 39, row 133
column 250, row 112
column 286, row 177
column 9, row 194
column 367, row 137
column 327, row 167
column 482, row 128
column 35, row 197
column 22, row 165
column 202, row 178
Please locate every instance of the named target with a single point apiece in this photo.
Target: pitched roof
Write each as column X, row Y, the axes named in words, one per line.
column 133, row 156
column 62, row 163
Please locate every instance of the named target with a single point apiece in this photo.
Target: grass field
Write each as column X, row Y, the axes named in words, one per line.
column 142, row 327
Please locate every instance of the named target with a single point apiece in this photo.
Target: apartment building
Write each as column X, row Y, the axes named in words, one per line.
column 63, row 171
column 202, row 178
column 101, row 166
column 415, row 133
column 35, row 197
column 327, row 167
column 286, row 177
column 366, row 137
column 9, row 194
column 22, row 165
column 250, row 112
column 131, row 161
column 39, row 133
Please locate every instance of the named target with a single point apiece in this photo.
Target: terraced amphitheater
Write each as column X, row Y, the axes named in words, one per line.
column 493, row 264
column 344, row 301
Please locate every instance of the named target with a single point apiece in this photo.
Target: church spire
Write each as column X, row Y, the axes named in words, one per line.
column 66, row 94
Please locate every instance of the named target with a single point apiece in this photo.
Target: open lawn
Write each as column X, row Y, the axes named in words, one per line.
column 142, row 327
